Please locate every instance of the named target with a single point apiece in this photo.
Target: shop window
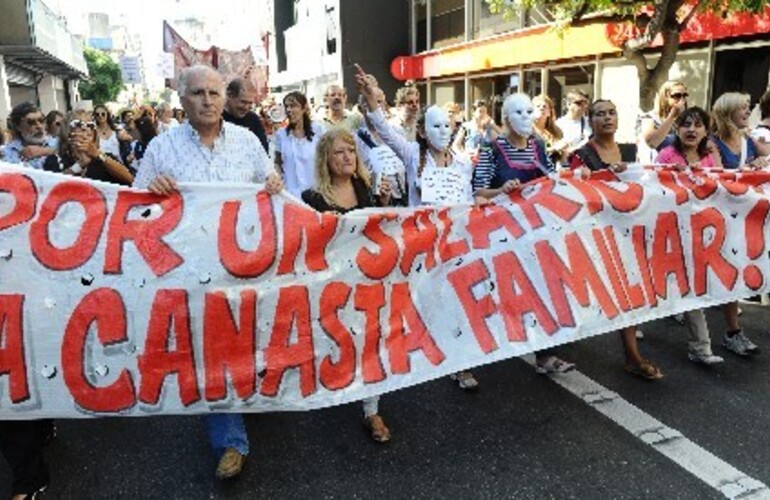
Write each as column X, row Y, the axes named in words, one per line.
column 742, row 70
column 562, row 80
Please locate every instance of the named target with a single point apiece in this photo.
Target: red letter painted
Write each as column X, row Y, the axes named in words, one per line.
column 12, row 360
column 705, row 256
column 147, row 235
column 280, row 356
column 477, row 310
column 335, row 375
column 578, row 277
column 639, row 235
column 448, row 250
column 667, row 180
column 105, row 308
column 24, row 193
column 370, row 299
column 634, row 292
column 400, row 344
column 665, row 262
column 230, row 347
column 316, row 229
column 418, row 240
column 377, row 265
column 247, row 264
column 77, row 254
column 169, row 310
column 557, row 204
column 513, row 306
column 484, row 220
column 755, row 242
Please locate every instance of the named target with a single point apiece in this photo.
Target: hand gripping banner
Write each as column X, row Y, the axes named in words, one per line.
column 222, row 298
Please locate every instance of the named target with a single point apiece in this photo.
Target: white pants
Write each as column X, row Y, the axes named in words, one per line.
column 698, row 332
column 371, row 406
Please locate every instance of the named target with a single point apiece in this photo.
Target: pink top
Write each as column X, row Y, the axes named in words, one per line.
column 670, row 156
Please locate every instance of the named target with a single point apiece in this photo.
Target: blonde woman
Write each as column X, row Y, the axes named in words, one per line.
column 731, row 119
column 730, row 115
column 656, row 127
column 342, row 185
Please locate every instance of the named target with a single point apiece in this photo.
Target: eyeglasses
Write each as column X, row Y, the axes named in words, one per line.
column 35, row 121
column 81, row 124
column 679, row 95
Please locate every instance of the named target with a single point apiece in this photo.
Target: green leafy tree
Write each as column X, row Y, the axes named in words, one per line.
column 646, row 20
column 105, row 82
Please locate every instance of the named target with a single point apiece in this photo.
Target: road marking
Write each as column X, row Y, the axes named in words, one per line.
column 698, row 461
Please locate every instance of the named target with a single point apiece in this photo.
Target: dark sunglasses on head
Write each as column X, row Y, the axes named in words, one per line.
column 82, row 124
column 35, row 121
column 680, row 95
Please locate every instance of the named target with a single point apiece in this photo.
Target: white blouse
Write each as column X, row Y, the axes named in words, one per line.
column 298, row 158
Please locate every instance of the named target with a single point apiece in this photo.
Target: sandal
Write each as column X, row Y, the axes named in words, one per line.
column 554, row 364
column 645, row 369
column 465, row 380
column 378, row 431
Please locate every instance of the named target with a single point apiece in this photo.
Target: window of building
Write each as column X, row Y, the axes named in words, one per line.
column 742, row 70
column 448, row 23
column 562, row 80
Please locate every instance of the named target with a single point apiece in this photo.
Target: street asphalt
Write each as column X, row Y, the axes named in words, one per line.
column 520, row 436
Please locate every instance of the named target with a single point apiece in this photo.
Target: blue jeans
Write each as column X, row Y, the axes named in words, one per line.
column 226, row 430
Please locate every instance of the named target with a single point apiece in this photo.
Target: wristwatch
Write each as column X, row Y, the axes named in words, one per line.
column 102, row 157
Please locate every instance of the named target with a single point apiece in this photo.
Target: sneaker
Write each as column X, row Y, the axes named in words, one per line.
column 750, row 346
column 554, row 364
column 231, row 464
column 704, row 359
column 465, row 380
column 738, row 344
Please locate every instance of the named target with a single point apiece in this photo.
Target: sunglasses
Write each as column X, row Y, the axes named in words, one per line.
column 81, row 124
column 679, row 95
column 35, row 121
column 100, row 113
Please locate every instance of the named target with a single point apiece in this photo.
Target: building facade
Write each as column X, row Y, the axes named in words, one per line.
column 461, row 52
column 40, row 60
column 316, row 42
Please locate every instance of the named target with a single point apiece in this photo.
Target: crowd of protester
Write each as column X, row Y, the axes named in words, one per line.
column 338, row 159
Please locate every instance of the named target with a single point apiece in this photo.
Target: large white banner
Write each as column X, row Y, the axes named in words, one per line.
column 221, row 297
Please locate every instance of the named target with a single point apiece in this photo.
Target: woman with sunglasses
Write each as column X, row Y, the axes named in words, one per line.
column 656, row 127
column 79, row 154
column 105, row 126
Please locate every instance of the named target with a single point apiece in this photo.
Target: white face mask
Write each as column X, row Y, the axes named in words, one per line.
column 437, row 128
column 520, row 114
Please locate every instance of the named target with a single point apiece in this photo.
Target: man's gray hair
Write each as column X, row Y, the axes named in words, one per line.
column 186, row 73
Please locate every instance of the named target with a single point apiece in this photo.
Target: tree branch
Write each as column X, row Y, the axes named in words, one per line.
column 683, row 24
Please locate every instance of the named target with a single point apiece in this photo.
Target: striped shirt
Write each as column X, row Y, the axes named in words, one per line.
column 492, row 170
